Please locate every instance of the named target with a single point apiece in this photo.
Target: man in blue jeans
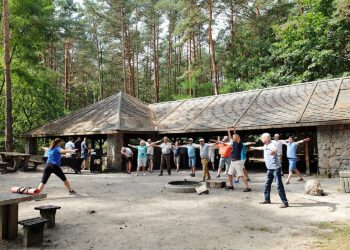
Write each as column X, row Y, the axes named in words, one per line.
column 273, row 170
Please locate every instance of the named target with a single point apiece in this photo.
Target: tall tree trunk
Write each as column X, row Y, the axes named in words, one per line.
column 67, row 71
column 169, row 53
column 129, row 57
column 137, row 54
column 99, row 60
column 122, row 17
column 214, row 79
column 156, row 58
column 7, row 72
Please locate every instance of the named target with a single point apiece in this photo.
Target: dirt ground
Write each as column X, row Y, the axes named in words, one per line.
column 120, row 211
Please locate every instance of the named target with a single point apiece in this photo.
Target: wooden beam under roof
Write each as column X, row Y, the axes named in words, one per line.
column 172, row 111
column 306, row 103
column 336, row 94
column 247, row 108
column 195, row 117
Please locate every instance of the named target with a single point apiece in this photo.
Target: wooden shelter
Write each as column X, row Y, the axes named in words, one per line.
column 320, row 106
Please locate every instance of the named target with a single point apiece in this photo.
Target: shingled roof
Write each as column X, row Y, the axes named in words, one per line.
column 119, row 112
column 307, row 104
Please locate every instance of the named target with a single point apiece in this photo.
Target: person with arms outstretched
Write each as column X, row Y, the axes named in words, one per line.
column 53, row 165
column 150, row 153
column 273, row 170
column 165, row 160
column 292, row 147
column 141, row 156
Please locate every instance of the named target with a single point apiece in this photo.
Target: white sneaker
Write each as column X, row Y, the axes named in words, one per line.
column 136, row 175
column 144, row 173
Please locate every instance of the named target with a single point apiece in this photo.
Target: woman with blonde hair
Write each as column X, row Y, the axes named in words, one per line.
column 141, row 156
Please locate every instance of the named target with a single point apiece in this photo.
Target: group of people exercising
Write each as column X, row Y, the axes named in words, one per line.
column 232, row 158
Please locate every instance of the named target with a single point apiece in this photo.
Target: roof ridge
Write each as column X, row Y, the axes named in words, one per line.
column 258, row 89
column 135, row 99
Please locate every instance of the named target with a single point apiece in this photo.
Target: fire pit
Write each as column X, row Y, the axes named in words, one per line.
column 181, row 186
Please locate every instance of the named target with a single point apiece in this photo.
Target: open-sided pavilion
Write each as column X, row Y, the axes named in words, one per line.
column 319, row 109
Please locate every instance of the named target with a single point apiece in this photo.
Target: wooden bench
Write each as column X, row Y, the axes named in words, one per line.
column 3, row 167
column 48, row 212
column 32, row 165
column 33, row 231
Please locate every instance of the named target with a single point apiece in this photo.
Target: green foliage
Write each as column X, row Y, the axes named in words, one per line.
column 36, row 100
column 311, row 45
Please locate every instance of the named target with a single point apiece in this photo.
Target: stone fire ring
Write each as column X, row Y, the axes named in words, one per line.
column 181, row 186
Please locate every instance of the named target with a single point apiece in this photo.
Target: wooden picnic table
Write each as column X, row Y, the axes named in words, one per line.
column 15, row 159
column 72, row 162
column 9, row 212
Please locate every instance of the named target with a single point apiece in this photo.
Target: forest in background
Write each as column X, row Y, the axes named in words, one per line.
column 67, row 54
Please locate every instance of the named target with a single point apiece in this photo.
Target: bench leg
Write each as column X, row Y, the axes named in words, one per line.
column 50, row 215
column 33, row 236
column 9, row 221
column 3, row 222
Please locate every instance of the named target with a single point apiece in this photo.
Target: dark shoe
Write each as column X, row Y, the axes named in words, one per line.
column 218, row 176
column 160, row 174
column 203, row 180
column 208, row 178
column 192, row 175
column 169, row 173
column 284, row 205
column 247, row 190
column 72, row 192
column 248, row 179
column 301, row 179
column 265, row 202
column 230, row 188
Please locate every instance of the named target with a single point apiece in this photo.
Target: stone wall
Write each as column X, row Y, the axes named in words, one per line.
column 114, row 157
column 333, row 147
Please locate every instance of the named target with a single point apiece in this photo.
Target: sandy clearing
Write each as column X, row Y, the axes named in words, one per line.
column 136, row 213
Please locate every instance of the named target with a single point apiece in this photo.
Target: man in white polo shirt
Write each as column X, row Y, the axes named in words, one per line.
column 273, row 170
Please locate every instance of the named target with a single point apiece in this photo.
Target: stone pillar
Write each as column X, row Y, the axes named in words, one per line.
column 114, row 157
column 31, row 146
column 333, row 144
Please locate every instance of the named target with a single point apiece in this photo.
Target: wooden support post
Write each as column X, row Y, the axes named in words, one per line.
column 307, row 158
column 31, row 145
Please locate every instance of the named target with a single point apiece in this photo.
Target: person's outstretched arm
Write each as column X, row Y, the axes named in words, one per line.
column 257, row 148
column 65, row 151
column 229, row 133
column 132, row 146
column 302, row 141
column 159, row 141
column 249, row 143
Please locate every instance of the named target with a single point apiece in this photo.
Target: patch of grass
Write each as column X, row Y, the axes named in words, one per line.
column 326, row 225
column 261, row 229
column 338, row 239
